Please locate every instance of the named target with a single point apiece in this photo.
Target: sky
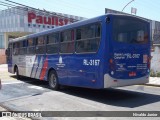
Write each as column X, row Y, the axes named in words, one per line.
column 91, row 8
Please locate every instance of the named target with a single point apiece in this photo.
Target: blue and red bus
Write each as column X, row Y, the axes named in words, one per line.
column 106, row 51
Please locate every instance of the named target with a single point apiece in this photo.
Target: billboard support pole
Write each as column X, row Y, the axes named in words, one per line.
column 127, row 5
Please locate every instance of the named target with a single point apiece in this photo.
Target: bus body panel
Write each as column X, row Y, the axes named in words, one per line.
column 91, row 70
column 130, row 61
column 78, row 70
column 83, row 71
column 10, row 65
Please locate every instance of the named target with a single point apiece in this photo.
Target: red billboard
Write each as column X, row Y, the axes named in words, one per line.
column 48, row 20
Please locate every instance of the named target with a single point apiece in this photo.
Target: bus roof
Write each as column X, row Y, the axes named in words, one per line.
column 69, row 26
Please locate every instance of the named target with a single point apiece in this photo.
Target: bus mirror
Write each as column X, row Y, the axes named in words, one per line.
column 6, row 52
column 108, row 19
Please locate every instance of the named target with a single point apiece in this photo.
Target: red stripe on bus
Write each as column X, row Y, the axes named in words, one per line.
column 44, row 69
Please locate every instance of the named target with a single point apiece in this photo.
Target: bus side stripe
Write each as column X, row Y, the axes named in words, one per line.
column 44, row 69
column 31, row 74
column 39, row 60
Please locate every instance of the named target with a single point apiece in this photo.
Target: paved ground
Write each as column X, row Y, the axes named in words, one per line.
column 155, row 81
column 4, row 74
column 31, row 95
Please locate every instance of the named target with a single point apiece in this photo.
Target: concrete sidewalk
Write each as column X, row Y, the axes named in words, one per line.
column 153, row 81
column 3, row 67
column 4, row 74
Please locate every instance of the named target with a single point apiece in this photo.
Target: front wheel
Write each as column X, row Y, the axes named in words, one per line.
column 53, row 80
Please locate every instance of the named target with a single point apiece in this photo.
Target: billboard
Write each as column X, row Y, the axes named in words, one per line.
column 113, row 11
column 47, row 20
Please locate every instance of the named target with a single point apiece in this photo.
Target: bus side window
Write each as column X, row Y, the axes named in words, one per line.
column 67, row 41
column 22, row 49
column 52, row 43
column 40, row 45
column 30, row 46
column 98, row 30
column 16, row 46
column 88, row 38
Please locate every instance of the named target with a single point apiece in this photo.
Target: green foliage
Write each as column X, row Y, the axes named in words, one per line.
column 152, row 73
column 158, row 74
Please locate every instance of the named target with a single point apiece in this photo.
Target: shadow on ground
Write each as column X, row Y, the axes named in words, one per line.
column 114, row 97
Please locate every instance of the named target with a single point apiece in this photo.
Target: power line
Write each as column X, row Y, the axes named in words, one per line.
column 53, row 13
column 7, row 3
column 12, row 7
column 26, row 9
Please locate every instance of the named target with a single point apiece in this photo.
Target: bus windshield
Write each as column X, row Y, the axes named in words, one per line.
column 130, row 30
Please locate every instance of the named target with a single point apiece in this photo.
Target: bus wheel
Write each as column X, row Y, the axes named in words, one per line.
column 17, row 73
column 53, row 80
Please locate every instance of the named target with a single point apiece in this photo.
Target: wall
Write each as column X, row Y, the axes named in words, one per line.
column 2, row 56
column 155, row 61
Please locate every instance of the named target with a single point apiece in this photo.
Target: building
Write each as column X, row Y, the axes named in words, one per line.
column 19, row 21
column 155, row 53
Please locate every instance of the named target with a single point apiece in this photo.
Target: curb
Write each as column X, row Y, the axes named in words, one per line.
column 151, row 84
column 2, row 108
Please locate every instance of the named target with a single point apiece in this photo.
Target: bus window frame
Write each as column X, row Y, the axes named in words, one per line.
column 17, row 48
column 101, row 27
column 58, row 43
column 36, row 44
column 129, row 18
column 24, row 45
column 70, row 29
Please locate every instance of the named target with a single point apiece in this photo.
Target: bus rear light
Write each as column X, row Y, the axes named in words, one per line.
column 148, row 62
column 111, row 61
column 131, row 74
column 111, row 65
column 148, row 65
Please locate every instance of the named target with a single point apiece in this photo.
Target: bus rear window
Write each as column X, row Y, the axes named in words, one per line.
column 130, row 30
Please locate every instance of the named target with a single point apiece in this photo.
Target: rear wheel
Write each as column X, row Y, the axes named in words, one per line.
column 53, row 80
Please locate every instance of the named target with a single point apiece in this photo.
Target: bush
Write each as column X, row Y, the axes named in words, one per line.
column 158, row 74
column 152, row 73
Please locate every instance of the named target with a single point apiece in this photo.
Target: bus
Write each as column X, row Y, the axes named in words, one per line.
column 111, row 50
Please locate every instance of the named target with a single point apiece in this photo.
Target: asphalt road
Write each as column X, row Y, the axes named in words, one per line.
column 30, row 94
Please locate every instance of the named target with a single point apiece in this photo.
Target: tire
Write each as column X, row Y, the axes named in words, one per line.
column 17, row 73
column 53, row 80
